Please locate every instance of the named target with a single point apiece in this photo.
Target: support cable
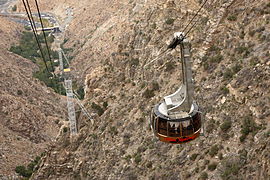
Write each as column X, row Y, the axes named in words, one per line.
column 185, row 34
column 31, row 16
column 194, row 24
column 195, row 15
column 32, row 26
column 42, row 27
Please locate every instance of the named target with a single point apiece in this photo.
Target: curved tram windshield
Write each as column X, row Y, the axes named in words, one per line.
column 176, row 130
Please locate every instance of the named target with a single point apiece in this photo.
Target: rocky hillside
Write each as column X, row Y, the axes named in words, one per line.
column 112, row 40
column 31, row 114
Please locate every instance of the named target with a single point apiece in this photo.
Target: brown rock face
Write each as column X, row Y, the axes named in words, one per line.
column 111, row 42
column 30, row 113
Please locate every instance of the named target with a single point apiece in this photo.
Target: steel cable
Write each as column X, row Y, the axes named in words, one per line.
column 34, row 31
column 46, row 42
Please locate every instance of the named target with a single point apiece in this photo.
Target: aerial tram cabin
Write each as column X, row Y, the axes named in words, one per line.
column 177, row 118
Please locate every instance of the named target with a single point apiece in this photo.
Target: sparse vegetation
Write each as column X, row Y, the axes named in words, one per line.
column 206, row 161
column 65, row 129
column 216, row 59
column 224, row 90
column 248, row 126
column 67, row 51
column 251, row 33
column 148, row 93
column 14, row 8
column 212, row 166
column 113, row 130
column 236, row 68
column 232, row 17
column 220, row 156
column 169, row 66
column 105, row 105
column 204, row 175
column 28, row 48
column 134, row 62
column 242, row 50
column 213, row 150
column 98, row 108
column 226, row 125
column 169, row 21
column 228, row 74
column 22, row 171
column 214, row 48
column 155, row 86
column 19, row 92
column 211, row 126
column 230, row 168
column 193, row 156
column 137, row 158
column 28, row 171
column 80, row 92
column 154, row 25
column 128, row 157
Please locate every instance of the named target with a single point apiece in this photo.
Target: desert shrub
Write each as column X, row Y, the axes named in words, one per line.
column 242, row 35
column 214, row 48
column 98, row 108
column 226, row 125
column 193, row 156
column 213, row 150
column 232, row 18
column 14, row 8
column 216, row 59
column 27, row 172
column 155, row 86
column 212, row 166
column 154, row 25
column 242, row 49
column 50, row 81
column 134, row 62
column 220, row 156
column 80, row 92
column 210, row 126
column 204, row 20
column 169, row 66
column 224, row 90
column 149, row 164
column 19, row 92
column 105, row 105
column 113, row 130
column 230, row 168
column 248, row 126
column 203, row 176
column 236, row 68
column 65, row 129
column 169, row 21
column 205, row 65
column 228, row 74
column 22, row 171
column 137, row 158
column 148, row 93
column 128, row 157
column 206, row 161
column 251, row 33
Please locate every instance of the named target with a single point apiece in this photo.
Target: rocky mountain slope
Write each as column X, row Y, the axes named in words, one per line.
column 111, row 41
column 31, row 114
